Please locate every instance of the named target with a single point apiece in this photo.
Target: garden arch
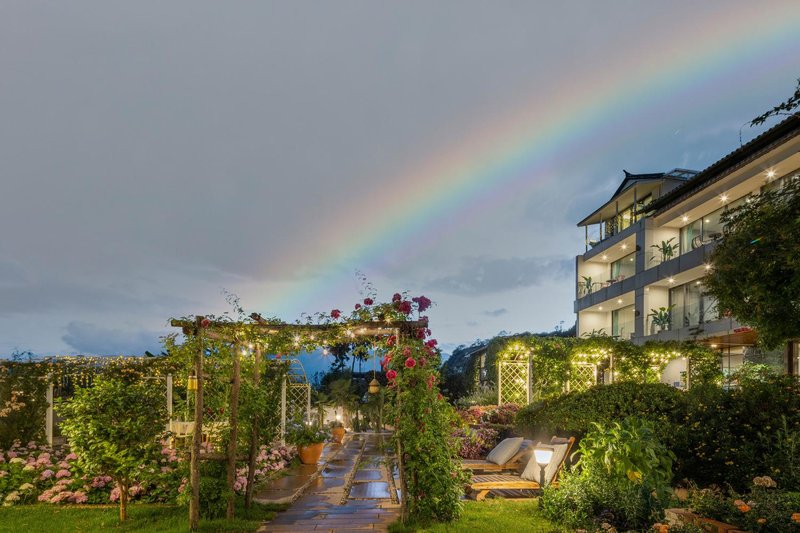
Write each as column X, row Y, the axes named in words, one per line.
column 257, row 337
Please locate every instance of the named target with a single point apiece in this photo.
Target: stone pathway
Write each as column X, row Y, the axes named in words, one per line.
column 355, row 491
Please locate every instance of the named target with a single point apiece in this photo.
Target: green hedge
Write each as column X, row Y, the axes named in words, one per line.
column 723, row 437
column 573, row 413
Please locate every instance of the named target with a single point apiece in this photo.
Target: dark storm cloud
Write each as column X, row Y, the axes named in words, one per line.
column 483, row 275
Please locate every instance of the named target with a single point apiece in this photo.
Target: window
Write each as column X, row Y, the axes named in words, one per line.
column 624, row 268
column 692, row 305
column 622, row 322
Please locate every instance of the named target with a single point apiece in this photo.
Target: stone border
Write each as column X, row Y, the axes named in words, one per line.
column 348, row 481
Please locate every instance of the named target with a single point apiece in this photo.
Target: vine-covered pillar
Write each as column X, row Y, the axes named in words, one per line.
column 400, row 458
column 233, row 439
column 197, row 436
column 283, row 411
column 251, row 456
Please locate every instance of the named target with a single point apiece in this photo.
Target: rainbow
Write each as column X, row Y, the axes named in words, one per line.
column 514, row 156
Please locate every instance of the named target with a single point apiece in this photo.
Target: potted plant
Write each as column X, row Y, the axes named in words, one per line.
column 586, row 285
column 666, row 249
column 309, row 439
column 337, row 431
column 661, row 318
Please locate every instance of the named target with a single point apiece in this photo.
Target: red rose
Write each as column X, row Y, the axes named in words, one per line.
column 205, row 323
column 431, row 343
column 422, row 303
column 358, row 306
column 410, row 363
column 390, row 375
column 396, row 297
column 422, row 361
column 336, row 314
column 404, row 307
column 439, row 396
column 368, row 301
column 421, row 333
column 391, row 340
column 407, row 351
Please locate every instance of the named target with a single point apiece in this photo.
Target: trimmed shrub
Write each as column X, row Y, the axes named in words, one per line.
column 574, row 413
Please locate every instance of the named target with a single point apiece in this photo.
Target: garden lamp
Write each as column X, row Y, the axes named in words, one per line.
column 191, row 383
column 374, row 386
column 543, row 454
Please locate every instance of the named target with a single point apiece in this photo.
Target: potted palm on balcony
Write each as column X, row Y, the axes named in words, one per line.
column 660, row 318
column 666, row 249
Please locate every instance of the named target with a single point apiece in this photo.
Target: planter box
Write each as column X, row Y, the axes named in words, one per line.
column 684, row 516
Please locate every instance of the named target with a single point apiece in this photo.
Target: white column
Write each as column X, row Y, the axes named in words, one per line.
column 283, row 412
column 169, row 396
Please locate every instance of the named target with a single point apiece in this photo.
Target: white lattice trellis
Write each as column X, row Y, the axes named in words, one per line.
column 513, row 383
column 582, row 376
column 295, row 395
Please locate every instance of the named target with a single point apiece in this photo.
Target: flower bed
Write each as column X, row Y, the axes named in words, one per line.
column 483, row 427
column 39, row 473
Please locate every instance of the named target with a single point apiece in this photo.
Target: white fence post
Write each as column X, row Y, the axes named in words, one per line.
column 49, row 415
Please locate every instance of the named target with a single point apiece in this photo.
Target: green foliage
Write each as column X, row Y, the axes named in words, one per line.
column 304, row 434
column 787, row 107
column 763, row 508
column 666, row 249
column 729, row 437
column 214, row 490
column 574, row 413
column 756, row 265
column 628, row 449
column 113, row 427
column 661, row 316
column 587, row 502
column 22, row 402
column 622, row 479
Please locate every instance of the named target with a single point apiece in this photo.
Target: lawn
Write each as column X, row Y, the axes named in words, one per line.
column 490, row 516
column 146, row 518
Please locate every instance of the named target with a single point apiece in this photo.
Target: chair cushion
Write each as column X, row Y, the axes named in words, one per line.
column 531, row 472
column 504, row 451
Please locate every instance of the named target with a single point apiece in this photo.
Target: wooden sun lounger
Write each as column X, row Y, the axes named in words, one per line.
column 484, row 484
column 483, row 465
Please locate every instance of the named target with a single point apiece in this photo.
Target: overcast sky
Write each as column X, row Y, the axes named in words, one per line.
column 154, row 154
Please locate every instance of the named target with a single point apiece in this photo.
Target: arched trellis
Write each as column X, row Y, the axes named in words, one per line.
column 259, row 333
column 295, row 395
column 531, row 368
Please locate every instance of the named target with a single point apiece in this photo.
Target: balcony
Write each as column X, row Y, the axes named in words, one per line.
column 688, row 319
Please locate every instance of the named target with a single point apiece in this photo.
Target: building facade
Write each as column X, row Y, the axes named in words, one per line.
column 647, row 248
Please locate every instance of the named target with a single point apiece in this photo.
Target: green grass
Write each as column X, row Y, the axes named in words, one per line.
column 490, row 516
column 147, row 518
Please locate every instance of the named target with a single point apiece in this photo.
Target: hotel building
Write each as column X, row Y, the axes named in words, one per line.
column 647, row 250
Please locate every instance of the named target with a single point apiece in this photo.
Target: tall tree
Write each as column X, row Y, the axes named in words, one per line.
column 756, row 265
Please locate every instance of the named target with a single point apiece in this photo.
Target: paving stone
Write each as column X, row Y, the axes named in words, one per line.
column 327, row 484
column 376, row 489
column 368, row 475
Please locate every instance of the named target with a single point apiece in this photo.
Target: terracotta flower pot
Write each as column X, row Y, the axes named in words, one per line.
column 309, row 455
column 337, row 434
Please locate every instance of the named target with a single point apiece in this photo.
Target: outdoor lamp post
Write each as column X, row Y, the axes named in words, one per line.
column 543, row 455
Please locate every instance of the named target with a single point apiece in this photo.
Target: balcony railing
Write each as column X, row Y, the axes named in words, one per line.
column 687, row 316
column 623, row 330
column 585, row 288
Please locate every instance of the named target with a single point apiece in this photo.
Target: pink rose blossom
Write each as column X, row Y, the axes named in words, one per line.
column 410, row 363
column 407, row 351
column 390, row 375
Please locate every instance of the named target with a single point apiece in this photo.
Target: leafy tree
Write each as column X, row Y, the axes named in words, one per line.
column 784, row 108
column 756, row 265
column 113, row 428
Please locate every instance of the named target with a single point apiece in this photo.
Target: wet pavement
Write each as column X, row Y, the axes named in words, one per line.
column 352, row 489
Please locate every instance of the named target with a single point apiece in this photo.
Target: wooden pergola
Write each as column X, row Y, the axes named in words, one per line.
column 220, row 330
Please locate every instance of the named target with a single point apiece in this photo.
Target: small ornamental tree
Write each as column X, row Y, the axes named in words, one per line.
column 113, row 428
column 755, row 273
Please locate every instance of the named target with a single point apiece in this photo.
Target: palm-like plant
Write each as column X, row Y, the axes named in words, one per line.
column 341, row 394
column 666, row 249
